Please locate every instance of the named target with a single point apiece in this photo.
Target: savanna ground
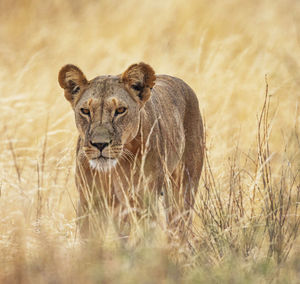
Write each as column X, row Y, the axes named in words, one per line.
column 242, row 58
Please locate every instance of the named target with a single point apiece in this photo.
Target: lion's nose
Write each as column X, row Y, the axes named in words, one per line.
column 100, row 146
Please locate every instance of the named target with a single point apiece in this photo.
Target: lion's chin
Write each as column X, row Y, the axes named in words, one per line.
column 102, row 164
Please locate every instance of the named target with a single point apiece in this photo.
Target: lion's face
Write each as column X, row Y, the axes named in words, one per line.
column 107, row 117
column 107, row 110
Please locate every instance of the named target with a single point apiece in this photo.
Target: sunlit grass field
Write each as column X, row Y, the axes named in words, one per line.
column 242, row 59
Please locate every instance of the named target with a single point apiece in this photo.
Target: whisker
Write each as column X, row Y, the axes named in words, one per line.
column 124, row 157
column 129, row 155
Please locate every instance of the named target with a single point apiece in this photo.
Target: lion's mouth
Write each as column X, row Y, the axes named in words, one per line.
column 102, row 163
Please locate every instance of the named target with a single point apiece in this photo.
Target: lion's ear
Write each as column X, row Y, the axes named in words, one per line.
column 72, row 80
column 139, row 80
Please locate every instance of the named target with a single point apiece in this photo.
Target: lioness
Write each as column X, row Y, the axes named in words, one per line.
column 132, row 125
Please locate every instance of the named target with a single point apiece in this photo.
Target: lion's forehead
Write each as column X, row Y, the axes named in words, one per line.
column 103, row 86
column 102, row 91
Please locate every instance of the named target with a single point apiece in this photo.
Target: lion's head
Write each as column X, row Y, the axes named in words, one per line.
column 107, row 109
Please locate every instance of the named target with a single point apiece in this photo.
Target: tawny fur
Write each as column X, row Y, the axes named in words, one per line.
column 162, row 125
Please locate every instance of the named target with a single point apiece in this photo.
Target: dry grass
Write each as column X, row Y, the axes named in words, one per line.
column 246, row 217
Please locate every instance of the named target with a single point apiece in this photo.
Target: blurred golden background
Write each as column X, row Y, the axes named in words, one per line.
column 222, row 49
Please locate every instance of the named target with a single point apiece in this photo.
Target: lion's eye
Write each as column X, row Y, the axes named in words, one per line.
column 85, row 111
column 120, row 110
